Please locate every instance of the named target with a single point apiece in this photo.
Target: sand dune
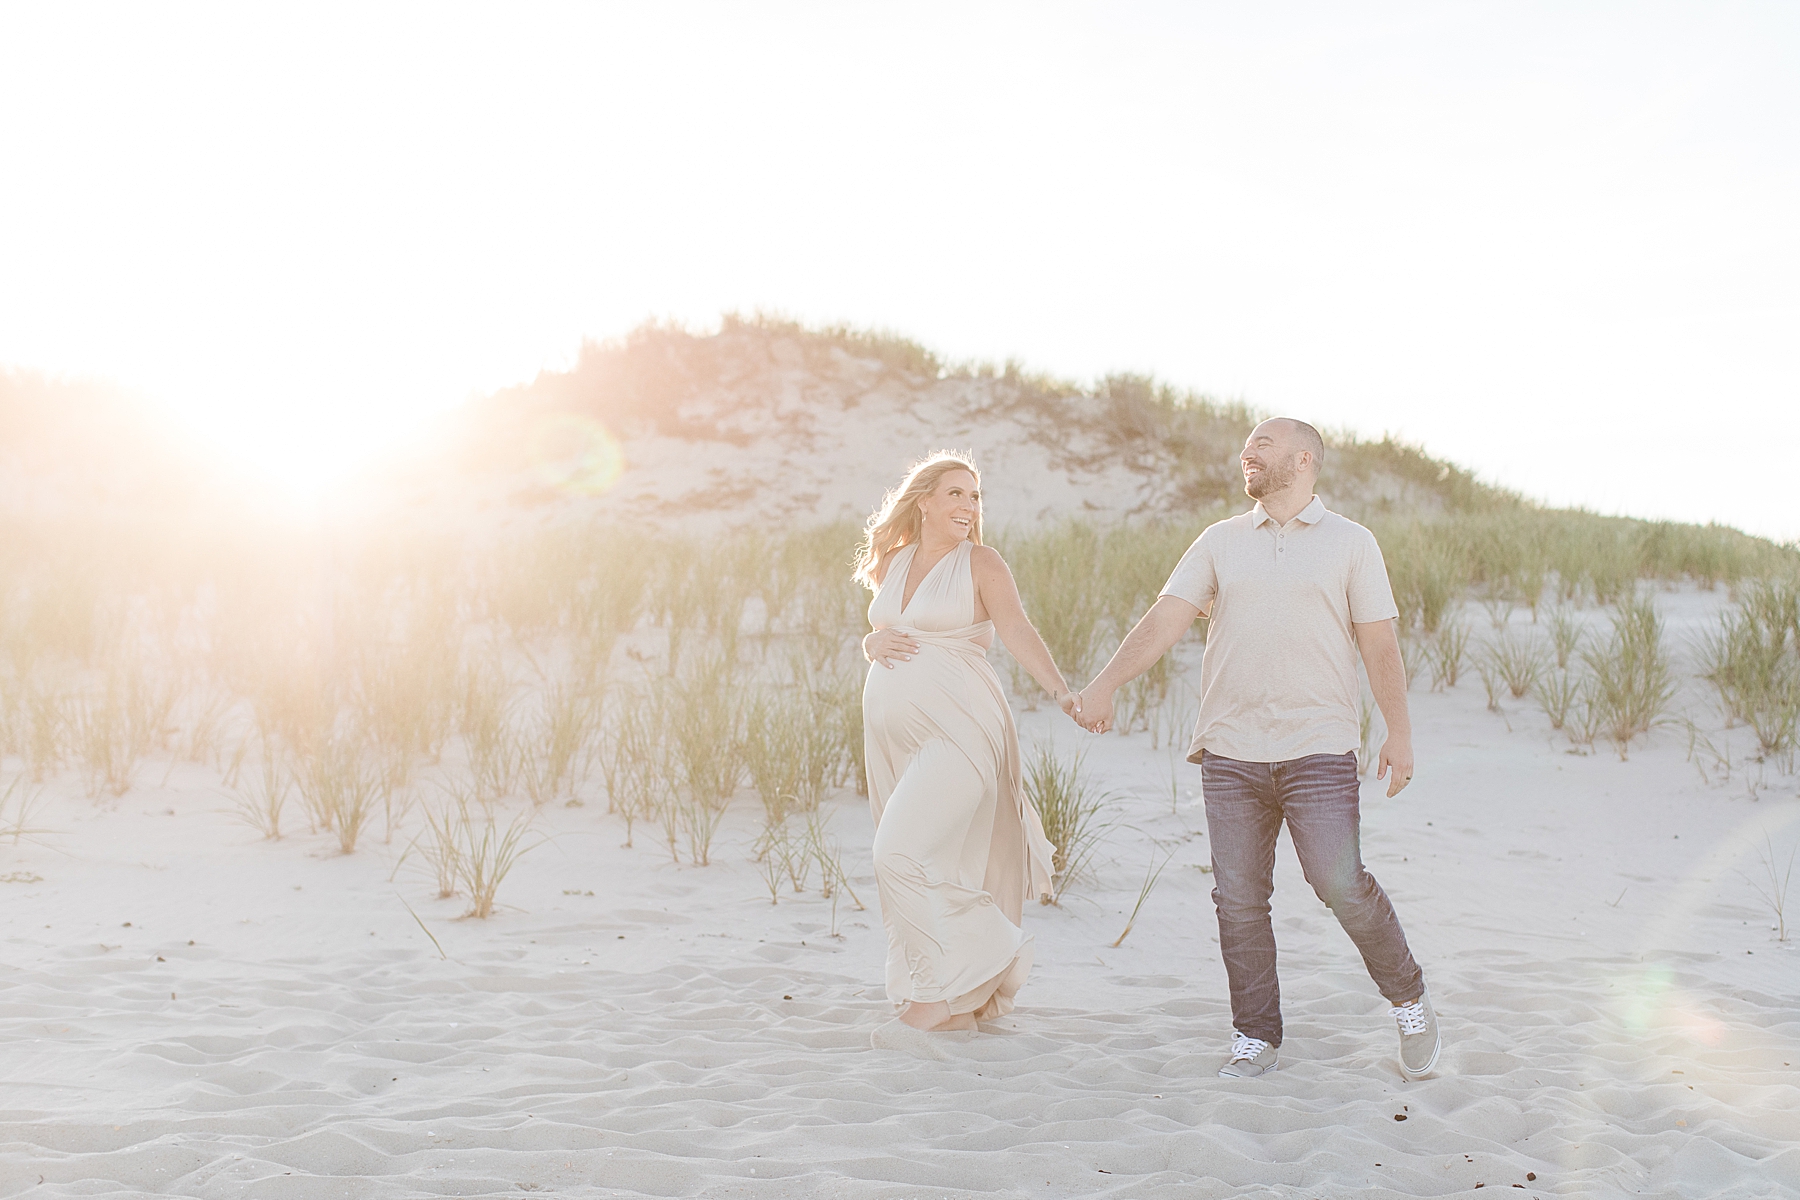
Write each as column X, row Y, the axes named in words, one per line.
column 187, row 1011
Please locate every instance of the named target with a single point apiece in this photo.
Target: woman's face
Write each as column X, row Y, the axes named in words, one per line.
column 950, row 511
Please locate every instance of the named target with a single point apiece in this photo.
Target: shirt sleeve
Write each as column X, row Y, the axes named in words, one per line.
column 1371, row 596
column 1194, row 578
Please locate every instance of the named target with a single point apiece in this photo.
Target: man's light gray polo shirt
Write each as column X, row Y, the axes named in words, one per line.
column 1278, row 678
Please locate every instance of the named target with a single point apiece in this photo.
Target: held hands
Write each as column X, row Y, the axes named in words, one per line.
column 1396, row 753
column 889, row 646
column 1091, row 709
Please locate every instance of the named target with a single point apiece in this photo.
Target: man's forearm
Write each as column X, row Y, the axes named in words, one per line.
column 1387, row 681
column 1151, row 638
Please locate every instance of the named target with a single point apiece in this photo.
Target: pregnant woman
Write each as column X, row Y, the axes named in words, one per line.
column 958, row 846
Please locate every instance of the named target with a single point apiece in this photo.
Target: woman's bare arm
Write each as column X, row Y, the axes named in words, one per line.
column 995, row 589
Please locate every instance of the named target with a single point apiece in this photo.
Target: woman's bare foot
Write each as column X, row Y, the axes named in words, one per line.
column 935, row 1017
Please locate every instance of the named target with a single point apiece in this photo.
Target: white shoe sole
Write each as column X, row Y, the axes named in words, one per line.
column 1436, row 1049
column 1226, row 1074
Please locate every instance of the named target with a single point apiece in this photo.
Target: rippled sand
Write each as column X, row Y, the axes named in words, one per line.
column 1620, row 1020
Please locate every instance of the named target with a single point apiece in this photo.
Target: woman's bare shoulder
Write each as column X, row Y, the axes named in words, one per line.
column 887, row 563
column 986, row 560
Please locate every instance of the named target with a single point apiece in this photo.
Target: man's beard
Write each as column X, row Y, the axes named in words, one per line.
column 1272, row 478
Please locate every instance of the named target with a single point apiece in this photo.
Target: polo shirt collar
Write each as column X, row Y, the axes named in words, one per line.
column 1312, row 514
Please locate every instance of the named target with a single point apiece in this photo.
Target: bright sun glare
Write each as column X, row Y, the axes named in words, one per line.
column 296, row 457
column 298, row 470
column 308, row 228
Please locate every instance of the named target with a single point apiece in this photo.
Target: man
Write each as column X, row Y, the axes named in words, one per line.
column 1291, row 591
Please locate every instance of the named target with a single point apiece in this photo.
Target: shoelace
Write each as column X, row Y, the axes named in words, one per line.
column 1411, row 1018
column 1245, row 1048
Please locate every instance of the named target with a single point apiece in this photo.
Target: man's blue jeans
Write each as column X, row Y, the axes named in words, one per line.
column 1318, row 797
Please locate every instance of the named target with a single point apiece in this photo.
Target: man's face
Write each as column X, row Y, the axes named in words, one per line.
column 1268, row 460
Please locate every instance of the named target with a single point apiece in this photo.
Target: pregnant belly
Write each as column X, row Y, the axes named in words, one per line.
column 896, row 700
column 937, row 694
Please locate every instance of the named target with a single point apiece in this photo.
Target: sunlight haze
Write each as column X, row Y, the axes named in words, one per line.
column 1554, row 243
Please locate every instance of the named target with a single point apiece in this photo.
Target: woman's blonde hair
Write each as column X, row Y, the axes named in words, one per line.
column 897, row 522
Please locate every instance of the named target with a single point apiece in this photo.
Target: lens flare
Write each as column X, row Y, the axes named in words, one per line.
column 1653, row 1002
column 575, row 455
column 1651, row 999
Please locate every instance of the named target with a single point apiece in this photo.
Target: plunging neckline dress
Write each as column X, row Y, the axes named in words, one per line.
column 958, row 845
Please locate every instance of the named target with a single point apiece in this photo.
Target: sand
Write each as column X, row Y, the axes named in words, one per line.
column 187, row 1010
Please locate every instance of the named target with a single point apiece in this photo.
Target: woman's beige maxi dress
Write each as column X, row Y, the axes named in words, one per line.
column 958, row 846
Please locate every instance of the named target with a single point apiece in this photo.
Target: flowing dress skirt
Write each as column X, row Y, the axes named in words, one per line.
column 958, row 847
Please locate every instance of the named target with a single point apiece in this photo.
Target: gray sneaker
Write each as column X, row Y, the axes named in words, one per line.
column 1250, row 1057
column 1419, row 1040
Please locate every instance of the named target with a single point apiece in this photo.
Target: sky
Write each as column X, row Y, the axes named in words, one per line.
column 1555, row 242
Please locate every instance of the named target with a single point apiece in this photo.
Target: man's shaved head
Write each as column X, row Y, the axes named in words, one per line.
column 1306, row 438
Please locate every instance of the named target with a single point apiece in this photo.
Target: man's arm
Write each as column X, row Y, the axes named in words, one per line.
column 1380, row 646
column 1151, row 638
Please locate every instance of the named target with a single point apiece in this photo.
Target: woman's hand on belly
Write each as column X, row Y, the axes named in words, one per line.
column 888, row 646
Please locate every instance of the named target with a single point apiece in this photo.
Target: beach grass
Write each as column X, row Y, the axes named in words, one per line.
column 1772, row 888
column 260, row 801
column 1448, row 650
column 1072, row 810
column 440, row 845
column 356, row 670
column 341, row 789
column 1152, row 874
column 1517, row 661
column 1557, row 692
column 1632, row 679
column 486, row 851
column 1565, row 635
column 20, row 802
column 1752, row 658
